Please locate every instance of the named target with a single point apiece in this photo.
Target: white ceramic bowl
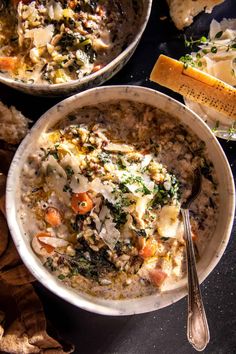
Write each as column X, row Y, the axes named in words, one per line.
column 91, row 80
column 212, row 253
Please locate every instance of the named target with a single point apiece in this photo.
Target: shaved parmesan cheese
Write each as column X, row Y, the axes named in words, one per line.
column 127, row 228
column 146, row 161
column 38, row 248
column 34, row 55
column 104, row 188
column 118, row 147
column 54, row 241
column 214, row 28
column 97, row 221
column 220, row 63
column 103, row 213
column 51, row 166
column 168, row 221
column 79, row 184
column 223, row 70
column 55, row 10
column 40, row 36
column 56, row 178
column 109, row 232
column 148, row 182
column 141, row 205
column 99, row 44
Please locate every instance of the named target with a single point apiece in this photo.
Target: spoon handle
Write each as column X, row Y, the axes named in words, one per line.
column 197, row 327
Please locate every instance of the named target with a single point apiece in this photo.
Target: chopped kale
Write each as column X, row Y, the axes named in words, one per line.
column 67, row 188
column 119, row 216
column 90, row 147
column 78, row 223
column 92, row 267
column 69, row 171
column 49, row 264
column 61, row 276
column 92, row 55
column 67, row 40
column 141, row 233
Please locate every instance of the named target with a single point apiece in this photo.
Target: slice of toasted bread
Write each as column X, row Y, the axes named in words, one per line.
column 182, row 12
column 195, row 85
column 13, row 125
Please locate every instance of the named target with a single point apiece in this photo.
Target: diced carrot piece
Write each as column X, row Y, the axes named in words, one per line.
column 157, row 276
column 194, row 232
column 8, row 63
column 47, row 247
column 81, row 203
column 194, row 236
column 100, row 11
column 97, row 68
column 53, row 217
column 72, row 4
column 149, row 249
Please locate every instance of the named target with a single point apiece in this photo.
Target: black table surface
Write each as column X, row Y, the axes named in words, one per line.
column 162, row 331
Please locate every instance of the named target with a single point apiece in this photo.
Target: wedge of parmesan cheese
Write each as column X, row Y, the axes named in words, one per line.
column 183, row 12
column 195, row 85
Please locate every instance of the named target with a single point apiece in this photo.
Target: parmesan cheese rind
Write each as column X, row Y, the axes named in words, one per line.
column 195, row 85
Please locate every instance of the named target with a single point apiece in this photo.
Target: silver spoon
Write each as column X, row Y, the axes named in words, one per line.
column 197, row 326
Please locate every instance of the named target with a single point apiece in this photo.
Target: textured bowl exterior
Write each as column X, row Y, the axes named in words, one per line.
column 215, row 247
column 91, row 80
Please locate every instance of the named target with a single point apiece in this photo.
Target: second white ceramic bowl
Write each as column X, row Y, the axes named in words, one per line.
column 91, row 80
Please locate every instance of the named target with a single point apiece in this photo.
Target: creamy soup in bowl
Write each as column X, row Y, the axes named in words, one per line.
column 102, row 182
column 58, row 47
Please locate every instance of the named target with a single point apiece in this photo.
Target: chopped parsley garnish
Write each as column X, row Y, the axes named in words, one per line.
column 163, row 196
column 69, row 171
column 49, row 264
column 119, row 216
column 104, row 157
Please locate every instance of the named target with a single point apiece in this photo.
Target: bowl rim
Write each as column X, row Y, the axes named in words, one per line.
column 92, row 76
column 41, row 273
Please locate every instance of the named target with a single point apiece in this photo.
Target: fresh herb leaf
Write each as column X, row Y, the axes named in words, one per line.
column 218, row 34
column 61, row 276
